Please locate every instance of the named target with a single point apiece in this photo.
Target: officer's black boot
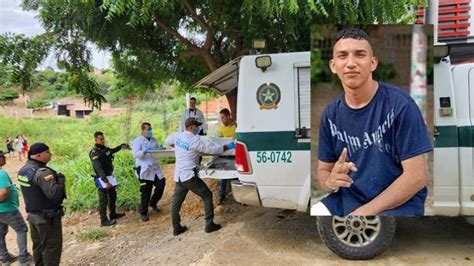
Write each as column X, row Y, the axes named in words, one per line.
column 117, row 215
column 179, row 230
column 107, row 222
column 212, row 227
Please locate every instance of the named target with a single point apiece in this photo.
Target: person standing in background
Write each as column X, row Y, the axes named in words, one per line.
column 10, row 148
column 25, row 148
column 18, row 145
column 226, row 130
column 11, row 216
column 193, row 111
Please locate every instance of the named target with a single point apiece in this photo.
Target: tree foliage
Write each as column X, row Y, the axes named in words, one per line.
column 23, row 55
column 157, row 41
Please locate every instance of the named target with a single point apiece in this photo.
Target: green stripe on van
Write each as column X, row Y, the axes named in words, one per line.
column 466, row 136
column 452, row 136
column 272, row 141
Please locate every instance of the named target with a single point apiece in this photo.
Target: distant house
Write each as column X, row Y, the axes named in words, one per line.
column 77, row 108
column 74, row 108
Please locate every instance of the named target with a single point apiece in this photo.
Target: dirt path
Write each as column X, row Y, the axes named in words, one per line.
column 250, row 236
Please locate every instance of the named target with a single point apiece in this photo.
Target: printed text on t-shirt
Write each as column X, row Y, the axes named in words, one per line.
column 354, row 143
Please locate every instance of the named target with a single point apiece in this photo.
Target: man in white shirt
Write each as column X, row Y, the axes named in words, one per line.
column 188, row 149
column 148, row 171
column 193, row 111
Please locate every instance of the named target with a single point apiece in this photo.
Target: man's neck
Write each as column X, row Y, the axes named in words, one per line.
column 359, row 97
column 37, row 161
column 231, row 122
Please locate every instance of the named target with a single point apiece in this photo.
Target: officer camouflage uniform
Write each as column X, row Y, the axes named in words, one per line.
column 102, row 158
column 43, row 190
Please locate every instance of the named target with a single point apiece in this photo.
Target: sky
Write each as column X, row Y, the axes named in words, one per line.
column 15, row 20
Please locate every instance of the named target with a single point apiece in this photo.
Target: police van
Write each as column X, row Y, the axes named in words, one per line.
column 272, row 155
column 454, row 134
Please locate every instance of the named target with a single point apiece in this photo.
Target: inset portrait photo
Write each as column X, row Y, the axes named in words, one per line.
column 372, row 120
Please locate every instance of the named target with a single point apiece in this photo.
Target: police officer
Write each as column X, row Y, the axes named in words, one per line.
column 43, row 190
column 101, row 157
column 188, row 148
column 148, row 171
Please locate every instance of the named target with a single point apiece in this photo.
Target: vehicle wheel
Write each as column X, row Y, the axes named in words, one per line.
column 357, row 237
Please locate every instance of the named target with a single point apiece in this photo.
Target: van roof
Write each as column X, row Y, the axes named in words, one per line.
column 223, row 79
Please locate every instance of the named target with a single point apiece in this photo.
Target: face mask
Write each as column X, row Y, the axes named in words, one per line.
column 149, row 133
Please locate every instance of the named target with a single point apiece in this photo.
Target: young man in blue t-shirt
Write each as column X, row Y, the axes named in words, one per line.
column 372, row 140
column 10, row 216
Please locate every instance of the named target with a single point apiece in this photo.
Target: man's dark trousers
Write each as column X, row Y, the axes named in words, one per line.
column 47, row 238
column 146, row 187
column 198, row 187
column 107, row 197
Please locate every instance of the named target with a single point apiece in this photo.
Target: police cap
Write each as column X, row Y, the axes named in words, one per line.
column 37, row 148
column 192, row 121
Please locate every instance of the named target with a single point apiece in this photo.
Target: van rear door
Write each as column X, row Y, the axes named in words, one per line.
column 466, row 144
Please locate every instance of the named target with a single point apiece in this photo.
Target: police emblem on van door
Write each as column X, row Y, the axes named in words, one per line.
column 268, row 96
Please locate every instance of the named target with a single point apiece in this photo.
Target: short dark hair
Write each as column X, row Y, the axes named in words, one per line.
column 192, row 98
column 351, row 33
column 225, row 111
column 98, row 133
column 145, row 125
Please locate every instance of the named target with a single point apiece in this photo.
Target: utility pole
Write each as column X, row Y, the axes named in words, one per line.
column 418, row 86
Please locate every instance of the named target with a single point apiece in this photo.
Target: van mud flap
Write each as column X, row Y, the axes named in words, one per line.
column 245, row 193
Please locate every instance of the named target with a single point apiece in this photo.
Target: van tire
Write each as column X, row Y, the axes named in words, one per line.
column 380, row 231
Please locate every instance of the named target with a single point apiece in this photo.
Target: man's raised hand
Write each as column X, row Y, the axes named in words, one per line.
column 339, row 176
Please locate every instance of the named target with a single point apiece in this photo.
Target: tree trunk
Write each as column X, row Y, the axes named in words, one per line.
column 211, row 63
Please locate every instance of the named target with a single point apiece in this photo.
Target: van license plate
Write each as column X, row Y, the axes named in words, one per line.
column 274, row 157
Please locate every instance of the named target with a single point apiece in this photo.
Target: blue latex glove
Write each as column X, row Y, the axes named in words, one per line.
column 149, row 150
column 230, row 146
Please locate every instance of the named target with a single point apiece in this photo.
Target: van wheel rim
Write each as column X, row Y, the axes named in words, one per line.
column 356, row 231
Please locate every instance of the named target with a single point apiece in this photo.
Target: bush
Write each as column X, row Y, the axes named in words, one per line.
column 9, row 95
column 37, row 103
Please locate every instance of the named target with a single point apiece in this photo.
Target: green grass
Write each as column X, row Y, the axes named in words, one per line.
column 92, row 235
column 70, row 141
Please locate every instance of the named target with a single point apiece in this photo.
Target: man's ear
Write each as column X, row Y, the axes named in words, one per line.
column 374, row 63
column 332, row 66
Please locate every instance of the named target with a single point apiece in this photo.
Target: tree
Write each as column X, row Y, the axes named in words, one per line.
column 155, row 41
column 23, row 55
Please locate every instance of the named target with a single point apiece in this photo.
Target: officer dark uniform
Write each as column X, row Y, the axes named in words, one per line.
column 102, row 157
column 43, row 190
